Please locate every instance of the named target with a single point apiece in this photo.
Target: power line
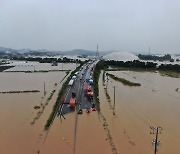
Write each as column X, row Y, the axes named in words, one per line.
column 155, row 142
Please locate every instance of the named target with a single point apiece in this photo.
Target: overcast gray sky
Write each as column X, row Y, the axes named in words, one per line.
column 124, row 25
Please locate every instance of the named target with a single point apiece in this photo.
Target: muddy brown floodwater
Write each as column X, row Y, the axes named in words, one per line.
column 17, row 134
column 155, row 103
column 90, row 137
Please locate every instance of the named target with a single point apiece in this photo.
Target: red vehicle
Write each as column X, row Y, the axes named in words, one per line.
column 72, row 102
column 86, row 88
column 88, row 92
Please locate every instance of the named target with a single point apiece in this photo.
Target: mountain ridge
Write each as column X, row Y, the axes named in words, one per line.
column 51, row 52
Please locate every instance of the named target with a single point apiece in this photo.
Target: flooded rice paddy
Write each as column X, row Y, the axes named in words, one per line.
column 90, row 136
column 138, row 109
column 17, row 133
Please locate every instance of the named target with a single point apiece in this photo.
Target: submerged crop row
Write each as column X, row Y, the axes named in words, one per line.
column 123, row 81
column 25, row 91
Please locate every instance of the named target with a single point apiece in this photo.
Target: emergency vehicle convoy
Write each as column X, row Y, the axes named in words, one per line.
column 86, row 81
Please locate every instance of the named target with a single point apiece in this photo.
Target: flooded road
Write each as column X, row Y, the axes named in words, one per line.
column 90, row 136
column 78, row 133
column 155, row 103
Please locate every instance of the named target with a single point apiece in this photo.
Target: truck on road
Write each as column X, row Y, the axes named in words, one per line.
column 72, row 101
column 88, row 92
column 71, row 82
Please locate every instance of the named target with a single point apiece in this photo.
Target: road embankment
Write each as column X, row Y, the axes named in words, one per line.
column 61, row 93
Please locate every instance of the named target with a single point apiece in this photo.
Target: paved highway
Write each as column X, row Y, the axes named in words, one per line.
column 78, row 87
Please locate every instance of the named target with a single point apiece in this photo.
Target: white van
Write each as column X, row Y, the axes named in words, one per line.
column 71, row 82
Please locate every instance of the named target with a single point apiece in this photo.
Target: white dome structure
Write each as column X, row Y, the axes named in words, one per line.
column 121, row 56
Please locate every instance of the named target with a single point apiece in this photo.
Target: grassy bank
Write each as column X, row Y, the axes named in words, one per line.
column 168, row 73
column 57, row 103
column 136, row 69
column 67, row 73
column 103, row 77
column 97, row 70
column 37, row 71
column 123, row 81
column 107, row 96
column 25, row 91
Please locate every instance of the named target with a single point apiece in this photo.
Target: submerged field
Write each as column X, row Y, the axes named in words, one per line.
column 155, row 103
column 137, row 109
column 22, row 125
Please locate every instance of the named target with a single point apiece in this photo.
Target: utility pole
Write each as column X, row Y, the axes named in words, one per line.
column 149, row 50
column 76, row 63
column 114, row 97
column 155, row 148
column 155, row 142
column 114, row 100
column 97, row 52
column 44, row 88
column 107, row 81
column 62, row 66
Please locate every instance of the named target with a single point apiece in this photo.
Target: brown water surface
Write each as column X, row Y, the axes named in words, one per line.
column 17, row 134
column 155, row 103
column 90, row 137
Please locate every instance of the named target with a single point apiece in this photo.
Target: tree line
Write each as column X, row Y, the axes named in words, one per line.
column 47, row 60
column 166, row 57
column 143, row 65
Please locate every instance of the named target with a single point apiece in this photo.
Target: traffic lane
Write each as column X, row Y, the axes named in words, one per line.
column 75, row 88
column 89, row 70
column 85, row 102
column 64, row 108
column 78, row 87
